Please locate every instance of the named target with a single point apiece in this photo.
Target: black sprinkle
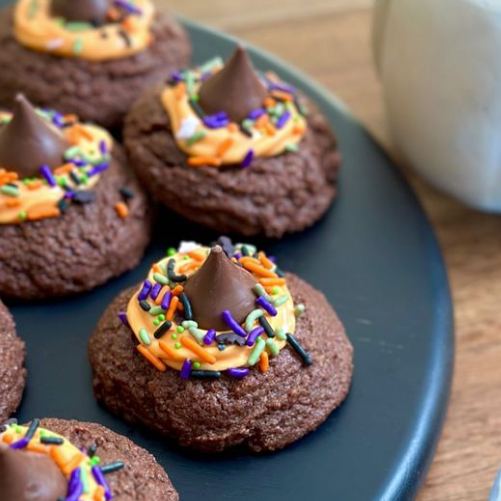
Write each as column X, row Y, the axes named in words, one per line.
column 112, row 467
column 197, row 108
column 91, row 452
column 171, row 274
column 84, row 197
column 245, row 131
column 227, row 245
column 52, row 440
column 298, row 348
column 221, row 347
column 230, row 338
column 205, row 374
column 280, row 273
column 267, row 327
column 145, row 305
column 7, row 423
column 32, row 429
column 63, row 205
column 245, row 251
column 125, row 37
column 162, row 329
column 126, row 193
column 188, row 311
column 75, row 178
column 12, row 185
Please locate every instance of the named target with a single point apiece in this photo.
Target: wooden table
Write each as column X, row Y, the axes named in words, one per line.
column 330, row 41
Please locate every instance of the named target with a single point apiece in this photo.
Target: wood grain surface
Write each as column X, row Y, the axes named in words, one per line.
column 330, row 41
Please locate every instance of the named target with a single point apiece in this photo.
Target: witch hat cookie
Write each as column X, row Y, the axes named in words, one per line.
column 91, row 11
column 235, row 90
column 29, row 476
column 27, row 142
column 220, row 285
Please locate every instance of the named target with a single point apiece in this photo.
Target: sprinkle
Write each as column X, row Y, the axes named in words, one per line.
column 291, row 147
column 162, row 329
column 145, row 291
column 48, row 176
column 156, row 362
column 224, row 146
column 144, row 337
column 259, row 290
column 281, row 334
column 203, row 161
column 270, row 282
column 195, row 137
column 170, row 251
column 198, row 334
column 161, row 279
column 84, row 197
column 78, row 46
column 217, row 121
column 258, row 269
column 249, row 157
column 171, row 352
column 205, row 374
column 255, row 114
column 78, row 26
column 267, row 327
column 99, row 477
column 209, row 337
column 129, row 7
column 253, row 335
column 264, row 362
column 272, row 347
column 11, row 191
column 256, row 352
column 232, row 324
column 229, row 338
column 188, row 312
column 282, row 121
column 122, row 210
column 238, row 372
column 144, row 305
column 279, row 301
column 112, row 467
column 51, row 440
column 155, row 291
column 299, row 349
column 186, row 369
column 189, row 323
column 265, row 261
column 172, row 308
column 42, row 212
column 268, row 307
column 299, row 309
column 166, row 300
column 251, row 319
column 198, row 350
column 173, row 277
column 91, row 452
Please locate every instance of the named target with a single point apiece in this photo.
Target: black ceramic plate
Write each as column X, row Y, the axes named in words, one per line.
column 376, row 258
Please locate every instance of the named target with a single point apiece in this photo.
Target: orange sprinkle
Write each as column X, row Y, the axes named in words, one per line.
column 34, row 447
column 70, row 118
column 14, row 202
column 270, row 130
column 205, row 160
column 122, row 210
column 99, row 493
column 264, row 362
column 157, row 268
column 265, row 261
column 163, row 291
column 284, row 96
column 298, row 130
column 35, row 185
column 8, row 438
column 180, row 90
column 269, row 290
column 170, row 351
column 172, row 308
column 269, row 102
column 84, row 132
column 189, row 267
column 177, row 290
column 232, row 127
column 262, row 121
column 127, row 25
column 113, row 14
column 196, row 256
column 259, row 270
column 7, row 177
column 156, row 362
column 224, row 147
column 187, row 342
column 57, row 454
column 269, row 282
column 64, row 169
column 249, row 259
column 43, row 212
column 73, row 463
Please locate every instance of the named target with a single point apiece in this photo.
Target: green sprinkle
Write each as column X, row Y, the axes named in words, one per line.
column 279, row 301
column 174, row 336
column 256, row 352
column 275, row 290
column 22, row 215
column 85, row 479
column 5, row 120
column 186, row 258
column 156, row 310
column 94, row 461
column 161, row 317
column 279, row 331
column 299, row 309
column 247, row 123
column 177, row 345
column 198, row 334
column 195, row 98
column 251, row 248
column 272, row 347
column 189, row 323
column 251, row 319
column 292, row 147
column 72, row 152
column 171, row 251
column 180, row 329
column 78, row 46
column 197, row 136
column 196, row 365
column 260, row 291
column 156, row 322
column 161, row 279
column 84, row 178
column 11, row 191
column 144, row 337
column 77, row 26
column 216, row 62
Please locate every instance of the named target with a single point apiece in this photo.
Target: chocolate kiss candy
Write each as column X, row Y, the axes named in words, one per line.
column 90, row 11
column 217, row 286
column 27, row 142
column 29, row 476
column 236, row 89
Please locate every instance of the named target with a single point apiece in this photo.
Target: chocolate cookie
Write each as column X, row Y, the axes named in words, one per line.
column 82, row 248
column 12, row 370
column 62, row 456
column 263, row 389
column 97, row 91
column 240, row 187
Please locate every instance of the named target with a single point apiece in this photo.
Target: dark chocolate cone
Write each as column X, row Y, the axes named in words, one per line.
column 27, row 142
column 217, row 286
column 29, row 476
column 89, row 11
column 236, row 89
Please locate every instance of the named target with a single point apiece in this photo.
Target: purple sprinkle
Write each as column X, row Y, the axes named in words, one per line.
column 255, row 114
column 74, row 483
column 128, row 7
column 69, row 194
column 123, row 318
column 145, row 291
column 78, row 162
column 156, row 291
column 103, row 148
column 186, row 369
column 97, row 169
column 283, row 119
column 238, row 372
column 281, row 87
column 20, row 444
column 253, row 335
column 232, row 324
column 238, row 255
column 166, row 300
column 248, row 159
column 273, row 259
column 177, row 76
column 216, row 121
column 205, row 76
column 98, row 475
column 210, row 336
column 58, row 120
column 47, row 174
column 266, row 305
